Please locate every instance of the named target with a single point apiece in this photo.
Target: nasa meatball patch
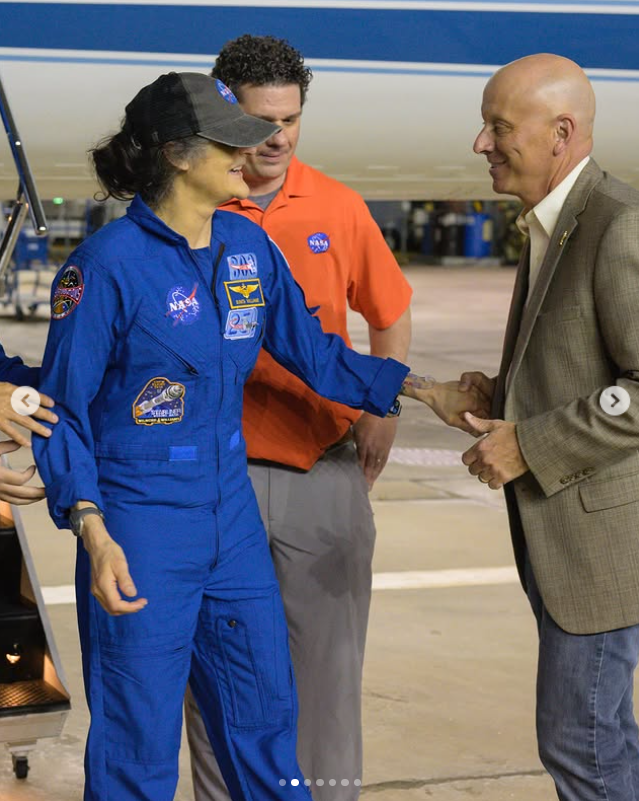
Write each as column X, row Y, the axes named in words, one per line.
column 226, row 93
column 182, row 305
column 160, row 402
column 319, row 242
column 68, row 293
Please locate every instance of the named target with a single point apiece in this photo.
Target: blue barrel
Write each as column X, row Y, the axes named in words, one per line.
column 478, row 236
column 427, row 243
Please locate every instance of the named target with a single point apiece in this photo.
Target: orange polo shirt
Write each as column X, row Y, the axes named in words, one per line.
column 338, row 255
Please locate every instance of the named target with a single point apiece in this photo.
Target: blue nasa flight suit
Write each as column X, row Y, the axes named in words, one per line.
column 147, row 365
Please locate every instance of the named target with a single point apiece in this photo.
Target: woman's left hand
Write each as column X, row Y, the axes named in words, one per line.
column 110, row 577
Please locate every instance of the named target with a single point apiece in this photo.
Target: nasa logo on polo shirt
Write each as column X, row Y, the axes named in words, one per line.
column 319, row 242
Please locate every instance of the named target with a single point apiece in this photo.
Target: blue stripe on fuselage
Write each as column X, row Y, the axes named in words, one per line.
column 355, row 69
column 446, row 37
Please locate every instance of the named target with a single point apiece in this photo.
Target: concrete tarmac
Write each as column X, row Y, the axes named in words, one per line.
column 450, row 667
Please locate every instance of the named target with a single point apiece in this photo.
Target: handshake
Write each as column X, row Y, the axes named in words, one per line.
column 451, row 400
column 496, row 458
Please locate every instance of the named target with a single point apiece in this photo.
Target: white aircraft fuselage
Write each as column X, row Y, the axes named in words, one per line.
column 393, row 108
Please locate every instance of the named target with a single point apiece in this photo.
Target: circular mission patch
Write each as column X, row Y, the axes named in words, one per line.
column 68, row 293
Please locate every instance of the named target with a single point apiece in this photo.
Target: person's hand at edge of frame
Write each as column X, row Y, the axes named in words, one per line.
column 12, row 482
column 9, row 418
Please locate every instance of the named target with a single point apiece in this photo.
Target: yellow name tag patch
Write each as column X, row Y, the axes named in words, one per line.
column 244, row 294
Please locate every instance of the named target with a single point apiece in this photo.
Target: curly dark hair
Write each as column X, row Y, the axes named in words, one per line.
column 261, row 60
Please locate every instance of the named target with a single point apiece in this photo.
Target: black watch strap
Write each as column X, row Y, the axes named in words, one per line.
column 396, row 409
column 76, row 518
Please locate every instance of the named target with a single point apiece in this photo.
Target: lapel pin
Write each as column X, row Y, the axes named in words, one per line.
column 564, row 236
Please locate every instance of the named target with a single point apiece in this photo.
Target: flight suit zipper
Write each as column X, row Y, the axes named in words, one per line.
column 216, row 264
column 218, row 259
column 193, row 370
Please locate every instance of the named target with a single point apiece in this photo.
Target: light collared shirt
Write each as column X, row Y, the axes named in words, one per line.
column 539, row 223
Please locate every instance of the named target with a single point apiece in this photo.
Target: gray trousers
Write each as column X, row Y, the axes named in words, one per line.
column 322, row 535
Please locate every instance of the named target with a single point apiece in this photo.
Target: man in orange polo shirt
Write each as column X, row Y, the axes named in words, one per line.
column 312, row 461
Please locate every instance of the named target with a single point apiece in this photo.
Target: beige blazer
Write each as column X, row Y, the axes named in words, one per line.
column 577, row 510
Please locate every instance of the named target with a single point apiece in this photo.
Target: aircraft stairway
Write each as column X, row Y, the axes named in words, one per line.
column 34, row 700
column 27, row 202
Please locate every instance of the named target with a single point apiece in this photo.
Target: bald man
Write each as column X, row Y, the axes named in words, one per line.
column 564, row 441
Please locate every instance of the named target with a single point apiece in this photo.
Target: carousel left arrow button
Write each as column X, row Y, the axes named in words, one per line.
column 25, row 401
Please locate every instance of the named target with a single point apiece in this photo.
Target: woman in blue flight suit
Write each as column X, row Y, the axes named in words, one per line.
column 153, row 334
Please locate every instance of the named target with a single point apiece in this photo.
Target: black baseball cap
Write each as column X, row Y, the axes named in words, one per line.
column 181, row 104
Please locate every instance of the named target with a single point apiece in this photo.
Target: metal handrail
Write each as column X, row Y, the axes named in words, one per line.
column 27, row 198
column 10, row 237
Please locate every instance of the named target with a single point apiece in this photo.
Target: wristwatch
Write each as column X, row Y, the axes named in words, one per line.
column 396, row 409
column 76, row 518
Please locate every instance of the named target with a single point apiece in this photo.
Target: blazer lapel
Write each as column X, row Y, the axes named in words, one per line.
column 520, row 293
column 566, row 225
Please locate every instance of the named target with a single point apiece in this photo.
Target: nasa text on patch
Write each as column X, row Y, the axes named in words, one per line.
column 160, row 402
column 242, row 265
column 68, row 293
column 182, row 305
column 319, row 242
column 244, row 294
column 241, row 324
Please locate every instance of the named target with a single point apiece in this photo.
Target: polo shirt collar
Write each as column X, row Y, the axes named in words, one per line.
column 299, row 182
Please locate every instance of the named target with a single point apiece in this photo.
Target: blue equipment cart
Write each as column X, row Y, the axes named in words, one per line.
column 28, row 279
